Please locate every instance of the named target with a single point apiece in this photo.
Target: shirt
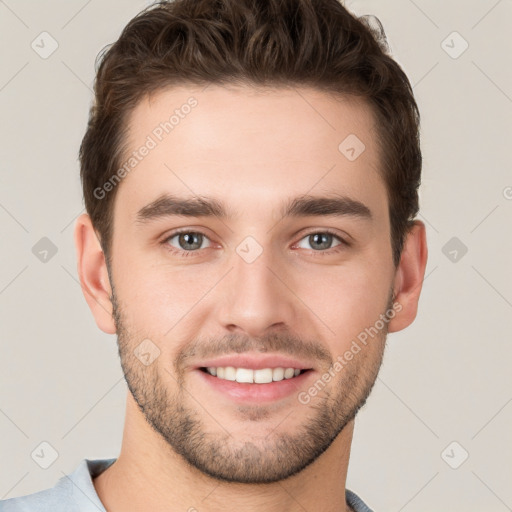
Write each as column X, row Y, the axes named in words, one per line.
column 76, row 493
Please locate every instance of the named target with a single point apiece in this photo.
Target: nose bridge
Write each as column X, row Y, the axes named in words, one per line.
column 254, row 297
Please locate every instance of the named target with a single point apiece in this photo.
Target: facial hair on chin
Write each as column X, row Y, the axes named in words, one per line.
column 178, row 419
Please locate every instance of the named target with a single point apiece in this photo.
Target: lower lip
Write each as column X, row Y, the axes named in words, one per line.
column 246, row 392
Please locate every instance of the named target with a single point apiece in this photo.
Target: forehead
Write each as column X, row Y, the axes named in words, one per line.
column 250, row 147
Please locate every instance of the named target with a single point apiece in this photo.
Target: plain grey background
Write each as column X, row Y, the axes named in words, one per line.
column 436, row 432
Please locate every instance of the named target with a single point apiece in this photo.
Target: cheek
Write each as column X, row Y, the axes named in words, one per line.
column 346, row 299
column 157, row 296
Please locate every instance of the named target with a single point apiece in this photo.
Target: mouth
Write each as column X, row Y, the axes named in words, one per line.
column 250, row 376
column 245, row 385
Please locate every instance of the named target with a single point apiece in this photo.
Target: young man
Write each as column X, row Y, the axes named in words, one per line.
column 250, row 173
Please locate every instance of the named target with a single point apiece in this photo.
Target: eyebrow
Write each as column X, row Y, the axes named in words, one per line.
column 334, row 205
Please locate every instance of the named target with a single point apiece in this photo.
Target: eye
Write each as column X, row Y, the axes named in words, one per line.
column 321, row 241
column 185, row 241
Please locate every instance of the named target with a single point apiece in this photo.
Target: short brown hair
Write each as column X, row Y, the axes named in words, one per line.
column 286, row 43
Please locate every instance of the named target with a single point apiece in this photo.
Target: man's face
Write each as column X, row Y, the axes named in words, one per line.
column 254, row 283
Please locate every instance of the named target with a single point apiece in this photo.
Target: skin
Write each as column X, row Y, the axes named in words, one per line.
column 185, row 445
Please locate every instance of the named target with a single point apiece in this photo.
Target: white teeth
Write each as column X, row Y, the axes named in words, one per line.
column 244, row 375
column 261, row 376
column 278, row 374
column 230, row 373
column 288, row 373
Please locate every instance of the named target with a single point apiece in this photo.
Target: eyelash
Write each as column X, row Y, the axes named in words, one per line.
column 186, row 254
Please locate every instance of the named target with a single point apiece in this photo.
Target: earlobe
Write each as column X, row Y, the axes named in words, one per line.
column 93, row 275
column 409, row 277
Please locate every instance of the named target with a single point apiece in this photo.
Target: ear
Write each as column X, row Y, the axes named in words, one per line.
column 409, row 277
column 92, row 271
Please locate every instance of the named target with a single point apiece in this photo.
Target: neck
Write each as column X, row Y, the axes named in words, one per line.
column 149, row 475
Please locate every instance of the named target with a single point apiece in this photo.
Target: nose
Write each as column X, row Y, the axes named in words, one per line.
column 256, row 297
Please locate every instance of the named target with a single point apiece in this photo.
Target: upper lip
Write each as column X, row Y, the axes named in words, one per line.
column 256, row 362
